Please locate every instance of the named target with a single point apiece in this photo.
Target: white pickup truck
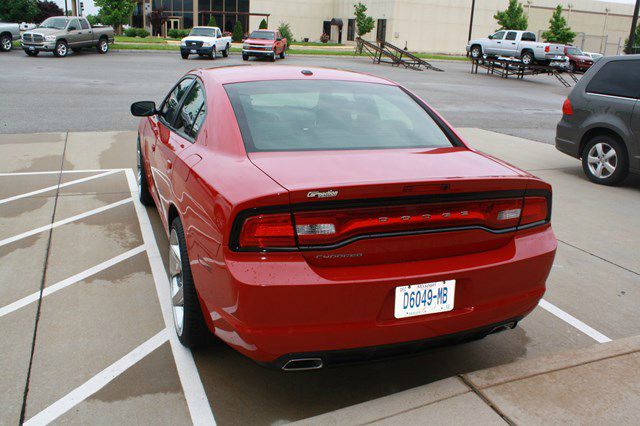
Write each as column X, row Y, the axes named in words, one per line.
column 516, row 44
column 205, row 41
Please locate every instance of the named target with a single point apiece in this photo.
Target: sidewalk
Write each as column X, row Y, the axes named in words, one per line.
column 597, row 385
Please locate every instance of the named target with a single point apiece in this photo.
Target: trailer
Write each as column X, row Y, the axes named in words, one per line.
column 505, row 67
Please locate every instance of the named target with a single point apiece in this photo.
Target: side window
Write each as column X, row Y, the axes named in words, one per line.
column 511, row 35
column 617, row 78
column 218, row 33
column 84, row 24
column 528, row 37
column 168, row 110
column 74, row 23
column 498, row 36
column 187, row 120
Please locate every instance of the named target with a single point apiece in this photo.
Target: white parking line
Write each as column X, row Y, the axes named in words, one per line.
column 69, row 281
column 63, row 222
column 53, row 187
column 97, row 382
column 55, row 172
column 194, row 393
column 573, row 321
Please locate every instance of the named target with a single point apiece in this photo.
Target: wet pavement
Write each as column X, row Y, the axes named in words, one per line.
column 104, row 351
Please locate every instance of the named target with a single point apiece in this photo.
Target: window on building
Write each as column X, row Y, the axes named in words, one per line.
column 617, row 78
column 351, row 29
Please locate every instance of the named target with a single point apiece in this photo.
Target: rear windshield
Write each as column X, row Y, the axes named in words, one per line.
column 263, row 35
column 204, row 32
column 298, row 115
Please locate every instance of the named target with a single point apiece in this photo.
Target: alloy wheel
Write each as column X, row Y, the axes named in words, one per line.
column 175, row 281
column 104, row 46
column 602, row 160
column 475, row 53
column 62, row 49
column 6, row 43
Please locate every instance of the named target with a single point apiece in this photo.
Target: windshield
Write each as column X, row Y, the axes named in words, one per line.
column 295, row 115
column 205, row 32
column 57, row 23
column 263, row 35
column 574, row 51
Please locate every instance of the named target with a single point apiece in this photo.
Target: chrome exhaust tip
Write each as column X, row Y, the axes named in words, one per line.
column 503, row 327
column 302, row 364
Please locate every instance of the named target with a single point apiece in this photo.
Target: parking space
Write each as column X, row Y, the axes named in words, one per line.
column 83, row 305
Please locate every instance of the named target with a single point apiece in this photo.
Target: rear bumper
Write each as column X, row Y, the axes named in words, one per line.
column 277, row 306
column 567, row 139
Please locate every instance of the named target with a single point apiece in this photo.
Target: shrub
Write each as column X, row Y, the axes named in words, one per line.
column 185, row 32
column 263, row 25
column 131, row 32
column 173, row 33
column 212, row 22
column 237, row 32
column 142, row 33
column 285, row 31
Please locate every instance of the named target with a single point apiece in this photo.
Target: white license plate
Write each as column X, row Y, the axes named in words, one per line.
column 32, row 48
column 423, row 299
column 194, row 51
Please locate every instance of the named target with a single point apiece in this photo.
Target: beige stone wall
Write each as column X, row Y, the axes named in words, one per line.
column 441, row 26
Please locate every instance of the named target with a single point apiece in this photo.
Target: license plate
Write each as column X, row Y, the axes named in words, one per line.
column 194, row 51
column 556, row 64
column 32, row 48
column 423, row 299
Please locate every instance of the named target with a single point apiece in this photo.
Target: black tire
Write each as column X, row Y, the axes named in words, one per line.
column 213, row 53
column 272, row 58
column 245, row 57
column 225, row 52
column 61, row 50
column 527, row 57
column 282, row 54
column 6, row 43
column 621, row 165
column 476, row 52
column 572, row 67
column 31, row 52
column 194, row 329
column 103, row 46
column 143, row 185
column 184, row 55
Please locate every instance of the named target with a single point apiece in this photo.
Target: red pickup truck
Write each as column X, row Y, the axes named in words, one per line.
column 265, row 43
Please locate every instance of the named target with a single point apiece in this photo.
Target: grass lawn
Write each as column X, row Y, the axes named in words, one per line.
column 125, row 39
column 292, row 51
column 314, row 43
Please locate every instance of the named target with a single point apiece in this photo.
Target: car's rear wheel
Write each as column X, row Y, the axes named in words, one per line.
column 187, row 313
column 6, row 43
column 103, row 46
column 184, row 55
column 282, row 54
column 61, row 49
column 143, row 185
column 572, row 67
column 604, row 160
column 31, row 52
column 225, row 52
column 527, row 58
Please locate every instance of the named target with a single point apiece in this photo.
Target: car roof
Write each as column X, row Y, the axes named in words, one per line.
column 246, row 73
column 206, row 26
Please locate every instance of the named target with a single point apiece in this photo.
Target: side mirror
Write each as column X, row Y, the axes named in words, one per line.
column 490, row 37
column 143, row 109
column 279, row 39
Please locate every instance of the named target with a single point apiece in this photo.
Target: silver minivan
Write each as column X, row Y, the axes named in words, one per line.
column 601, row 120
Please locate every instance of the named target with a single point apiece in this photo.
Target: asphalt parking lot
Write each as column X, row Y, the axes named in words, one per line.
column 104, row 349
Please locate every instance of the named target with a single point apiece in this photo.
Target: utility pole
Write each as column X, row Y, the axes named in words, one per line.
column 66, row 8
column 473, row 7
column 74, row 8
column 632, row 33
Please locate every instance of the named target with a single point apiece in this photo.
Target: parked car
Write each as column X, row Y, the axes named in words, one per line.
column 594, row 56
column 58, row 34
column 516, row 44
column 601, row 122
column 205, row 41
column 578, row 61
column 26, row 27
column 264, row 43
column 288, row 243
column 8, row 33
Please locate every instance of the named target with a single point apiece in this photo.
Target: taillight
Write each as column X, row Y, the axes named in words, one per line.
column 535, row 210
column 566, row 107
column 546, row 48
column 323, row 227
column 267, row 231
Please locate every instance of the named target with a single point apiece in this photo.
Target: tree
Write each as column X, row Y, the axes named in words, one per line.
column 94, row 19
column 364, row 23
column 513, row 18
column 115, row 12
column 238, row 32
column 157, row 18
column 18, row 10
column 212, row 22
column 47, row 9
column 263, row 25
column 559, row 31
column 285, row 31
column 637, row 40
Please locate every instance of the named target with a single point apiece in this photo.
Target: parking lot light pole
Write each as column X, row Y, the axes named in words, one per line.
column 473, row 7
column 632, row 33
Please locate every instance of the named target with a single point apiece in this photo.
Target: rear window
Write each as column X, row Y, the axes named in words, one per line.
column 297, row 115
column 617, row 78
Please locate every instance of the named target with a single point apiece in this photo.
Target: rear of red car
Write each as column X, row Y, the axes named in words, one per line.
column 396, row 236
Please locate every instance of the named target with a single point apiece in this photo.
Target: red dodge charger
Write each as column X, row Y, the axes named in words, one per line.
column 318, row 217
